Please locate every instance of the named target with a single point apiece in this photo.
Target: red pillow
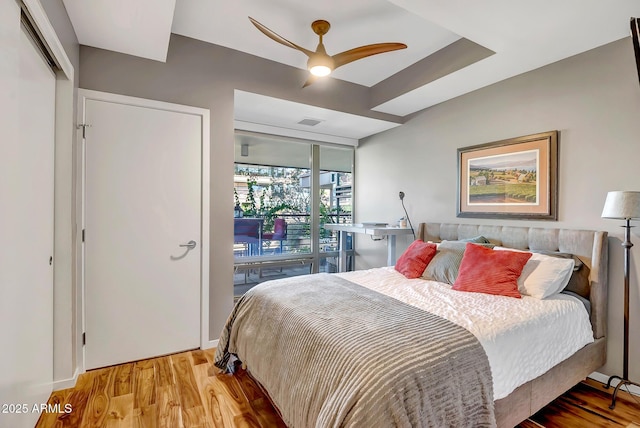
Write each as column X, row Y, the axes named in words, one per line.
column 484, row 270
column 415, row 259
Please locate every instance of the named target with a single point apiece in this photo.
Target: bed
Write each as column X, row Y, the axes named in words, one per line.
column 341, row 352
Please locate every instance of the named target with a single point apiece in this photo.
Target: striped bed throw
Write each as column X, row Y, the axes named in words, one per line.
column 332, row 353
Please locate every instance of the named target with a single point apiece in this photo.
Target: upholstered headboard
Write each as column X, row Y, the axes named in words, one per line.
column 590, row 246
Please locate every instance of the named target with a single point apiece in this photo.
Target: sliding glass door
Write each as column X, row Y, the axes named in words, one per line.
column 284, row 191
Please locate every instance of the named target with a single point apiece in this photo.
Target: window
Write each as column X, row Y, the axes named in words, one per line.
column 277, row 231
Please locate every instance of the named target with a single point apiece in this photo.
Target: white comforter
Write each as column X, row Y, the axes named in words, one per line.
column 523, row 338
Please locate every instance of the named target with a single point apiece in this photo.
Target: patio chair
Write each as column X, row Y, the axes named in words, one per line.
column 279, row 233
column 247, row 231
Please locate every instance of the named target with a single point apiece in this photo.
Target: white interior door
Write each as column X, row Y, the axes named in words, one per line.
column 142, row 203
column 26, row 228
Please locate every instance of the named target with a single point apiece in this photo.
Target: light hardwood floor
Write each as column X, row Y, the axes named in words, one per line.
column 185, row 390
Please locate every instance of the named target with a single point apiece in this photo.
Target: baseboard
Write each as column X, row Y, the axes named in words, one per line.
column 66, row 383
column 603, row 378
column 210, row 344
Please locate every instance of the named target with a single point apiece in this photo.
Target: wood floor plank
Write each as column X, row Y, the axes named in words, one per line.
column 163, row 371
column 145, row 391
column 77, row 399
column 57, row 398
column 145, row 417
column 185, row 381
column 99, row 397
column 225, row 392
column 144, row 384
column 210, row 353
column 195, row 417
column 199, row 357
column 169, row 410
column 123, row 380
column 588, row 405
column 260, row 404
column 200, row 372
column 193, row 413
column 211, row 403
column 182, row 391
column 120, row 412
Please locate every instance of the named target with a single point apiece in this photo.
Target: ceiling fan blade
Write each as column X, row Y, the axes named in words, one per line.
column 364, row 51
column 274, row 36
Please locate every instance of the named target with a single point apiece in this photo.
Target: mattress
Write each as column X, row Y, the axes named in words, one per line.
column 523, row 338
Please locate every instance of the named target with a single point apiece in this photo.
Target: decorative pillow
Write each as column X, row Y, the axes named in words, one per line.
column 415, row 258
column 484, row 270
column 577, row 262
column 477, row 240
column 544, row 276
column 547, row 273
column 444, row 266
column 579, row 280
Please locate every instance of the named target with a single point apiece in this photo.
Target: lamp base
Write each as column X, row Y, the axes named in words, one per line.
column 620, row 385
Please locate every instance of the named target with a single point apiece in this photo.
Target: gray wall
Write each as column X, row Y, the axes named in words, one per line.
column 204, row 75
column 592, row 99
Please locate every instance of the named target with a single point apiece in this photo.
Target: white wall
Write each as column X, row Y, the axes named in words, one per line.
column 592, row 99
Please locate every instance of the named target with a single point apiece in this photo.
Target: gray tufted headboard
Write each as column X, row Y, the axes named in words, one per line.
column 590, row 246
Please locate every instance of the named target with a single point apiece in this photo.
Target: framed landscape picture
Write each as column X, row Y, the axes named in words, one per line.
column 515, row 178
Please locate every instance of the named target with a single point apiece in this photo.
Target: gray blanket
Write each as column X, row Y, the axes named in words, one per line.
column 331, row 353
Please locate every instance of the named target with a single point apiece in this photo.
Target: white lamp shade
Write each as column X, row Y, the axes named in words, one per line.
column 622, row 205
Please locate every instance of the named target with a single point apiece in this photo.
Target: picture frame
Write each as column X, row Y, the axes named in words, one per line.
column 515, row 178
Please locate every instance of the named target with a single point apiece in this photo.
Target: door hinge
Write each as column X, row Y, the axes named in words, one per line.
column 84, row 127
column 84, row 339
column 82, row 235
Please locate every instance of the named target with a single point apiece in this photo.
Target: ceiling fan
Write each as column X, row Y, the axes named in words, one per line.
column 320, row 63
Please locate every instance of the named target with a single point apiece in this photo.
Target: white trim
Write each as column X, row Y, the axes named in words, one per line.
column 67, row 383
column 603, row 378
column 88, row 94
column 294, row 133
column 210, row 344
column 49, row 35
column 83, row 96
column 204, row 228
column 79, row 225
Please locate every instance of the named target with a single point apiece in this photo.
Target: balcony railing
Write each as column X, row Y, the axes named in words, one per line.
column 296, row 241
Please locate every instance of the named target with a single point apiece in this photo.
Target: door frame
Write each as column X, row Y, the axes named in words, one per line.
column 83, row 96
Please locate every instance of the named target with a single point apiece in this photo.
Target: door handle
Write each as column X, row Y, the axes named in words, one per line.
column 190, row 245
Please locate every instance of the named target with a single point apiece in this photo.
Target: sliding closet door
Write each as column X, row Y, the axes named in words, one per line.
column 26, row 228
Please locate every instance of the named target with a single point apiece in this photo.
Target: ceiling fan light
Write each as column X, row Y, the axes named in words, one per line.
column 320, row 65
column 320, row 70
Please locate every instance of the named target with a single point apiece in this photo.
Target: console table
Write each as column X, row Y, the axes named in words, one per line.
column 381, row 231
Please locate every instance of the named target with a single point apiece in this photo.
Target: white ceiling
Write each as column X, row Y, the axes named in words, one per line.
column 260, row 113
column 139, row 27
column 353, row 23
column 524, row 35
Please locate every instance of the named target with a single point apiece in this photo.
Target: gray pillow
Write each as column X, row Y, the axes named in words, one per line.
column 445, row 264
column 477, row 240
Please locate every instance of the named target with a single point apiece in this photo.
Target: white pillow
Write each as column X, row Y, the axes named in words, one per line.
column 543, row 275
